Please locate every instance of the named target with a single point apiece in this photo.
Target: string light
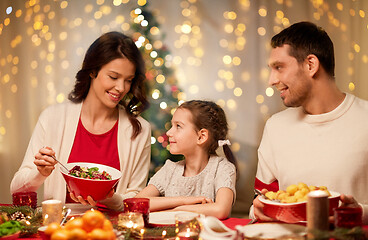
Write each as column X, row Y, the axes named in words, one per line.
column 233, row 42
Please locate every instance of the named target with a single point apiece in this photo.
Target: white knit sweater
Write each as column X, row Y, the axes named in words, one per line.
column 329, row 149
column 56, row 128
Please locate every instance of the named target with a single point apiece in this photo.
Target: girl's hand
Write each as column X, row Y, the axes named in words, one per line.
column 197, row 200
column 44, row 162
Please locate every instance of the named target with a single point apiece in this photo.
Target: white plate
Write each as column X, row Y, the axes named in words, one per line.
column 77, row 209
column 271, row 230
column 164, row 218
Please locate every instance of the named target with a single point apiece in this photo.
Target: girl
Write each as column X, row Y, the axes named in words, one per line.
column 99, row 124
column 203, row 182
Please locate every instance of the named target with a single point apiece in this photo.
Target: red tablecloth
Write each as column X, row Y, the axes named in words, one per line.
column 230, row 222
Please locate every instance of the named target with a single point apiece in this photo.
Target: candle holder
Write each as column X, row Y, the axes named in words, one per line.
column 139, row 205
column 52, row 211
column 348, row 217
column 187, row 226
column 25, row 199
column 130, row 220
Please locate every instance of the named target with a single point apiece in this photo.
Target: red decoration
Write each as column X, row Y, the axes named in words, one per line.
column 25, row 199
column 140, row 205
column 348, row 217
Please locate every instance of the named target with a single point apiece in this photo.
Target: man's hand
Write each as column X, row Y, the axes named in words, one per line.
column 258, row 209
column 348, row 201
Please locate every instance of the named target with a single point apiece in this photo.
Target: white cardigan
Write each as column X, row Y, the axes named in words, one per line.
column 56, row 128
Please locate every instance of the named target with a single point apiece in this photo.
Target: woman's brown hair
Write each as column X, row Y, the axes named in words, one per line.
column 106, row 48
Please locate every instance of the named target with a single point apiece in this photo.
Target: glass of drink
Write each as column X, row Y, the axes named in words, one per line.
column 140, row 205
column 348, row 217
column 25, row 199
column 187, row 226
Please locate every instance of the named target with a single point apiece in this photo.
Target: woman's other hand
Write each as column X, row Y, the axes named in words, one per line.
column 44, row 162
column 89, row 200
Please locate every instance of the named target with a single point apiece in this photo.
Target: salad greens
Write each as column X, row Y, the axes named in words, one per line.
column 89, row 173
column 10, row 227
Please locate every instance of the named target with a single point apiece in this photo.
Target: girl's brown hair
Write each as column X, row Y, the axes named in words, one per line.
column 208, row 115
column 108, row 47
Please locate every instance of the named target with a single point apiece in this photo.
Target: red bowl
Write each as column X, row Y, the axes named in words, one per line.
column 97, row 189
column 294, row 212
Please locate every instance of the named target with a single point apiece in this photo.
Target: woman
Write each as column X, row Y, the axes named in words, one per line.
column 99, row 124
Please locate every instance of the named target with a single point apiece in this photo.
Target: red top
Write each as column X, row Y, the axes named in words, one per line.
column 95, row 148
column 274, row 186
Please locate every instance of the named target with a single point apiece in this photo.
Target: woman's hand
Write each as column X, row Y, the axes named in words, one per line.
column 44, row 162
column 258, row 209
column 80, row 199
column 89, row 200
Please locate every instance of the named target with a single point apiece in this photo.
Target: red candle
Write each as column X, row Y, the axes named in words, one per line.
column 25, row 199
column 348, row 217
column 187, row 235
column 140, row 205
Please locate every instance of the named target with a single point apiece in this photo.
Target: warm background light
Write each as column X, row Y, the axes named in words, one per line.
column 218, row 50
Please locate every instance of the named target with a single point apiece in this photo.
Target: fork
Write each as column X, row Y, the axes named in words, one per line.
column 257, row 192
column 60, row 163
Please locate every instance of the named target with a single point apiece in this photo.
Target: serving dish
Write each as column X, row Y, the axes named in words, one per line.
column 97, row 189
column 294, row 212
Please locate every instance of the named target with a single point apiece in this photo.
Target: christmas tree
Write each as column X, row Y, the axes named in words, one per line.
column 163, row 92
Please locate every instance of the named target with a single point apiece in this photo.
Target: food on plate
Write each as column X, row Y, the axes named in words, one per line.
column 92, row 225
column 9, row 228
column 294, row 193
column 3, row 217
column 89, row 173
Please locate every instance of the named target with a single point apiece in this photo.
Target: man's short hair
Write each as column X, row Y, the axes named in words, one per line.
column 307, row 38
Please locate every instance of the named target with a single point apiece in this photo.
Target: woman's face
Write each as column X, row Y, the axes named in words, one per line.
column 112, row 82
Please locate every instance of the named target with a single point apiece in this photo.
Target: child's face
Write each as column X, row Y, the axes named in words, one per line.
column 182, row 135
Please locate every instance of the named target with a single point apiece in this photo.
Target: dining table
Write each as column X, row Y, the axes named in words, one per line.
column 230, row 222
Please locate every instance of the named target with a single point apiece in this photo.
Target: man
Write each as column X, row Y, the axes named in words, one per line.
column 322, row 138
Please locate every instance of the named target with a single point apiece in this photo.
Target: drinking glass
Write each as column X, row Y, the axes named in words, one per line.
column 25, row 199
column 131, row 220
column 140, row 205
column 187, row 226
column 52, row 211
column 348, row 217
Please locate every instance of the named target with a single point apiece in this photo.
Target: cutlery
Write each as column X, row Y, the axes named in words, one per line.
column 257, row 192
column 67, row 212
column 60, row 163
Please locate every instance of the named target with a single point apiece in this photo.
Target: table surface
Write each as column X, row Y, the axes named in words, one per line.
column 229, row 222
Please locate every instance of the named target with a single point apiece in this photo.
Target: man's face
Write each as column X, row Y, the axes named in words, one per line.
column 289, row 77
